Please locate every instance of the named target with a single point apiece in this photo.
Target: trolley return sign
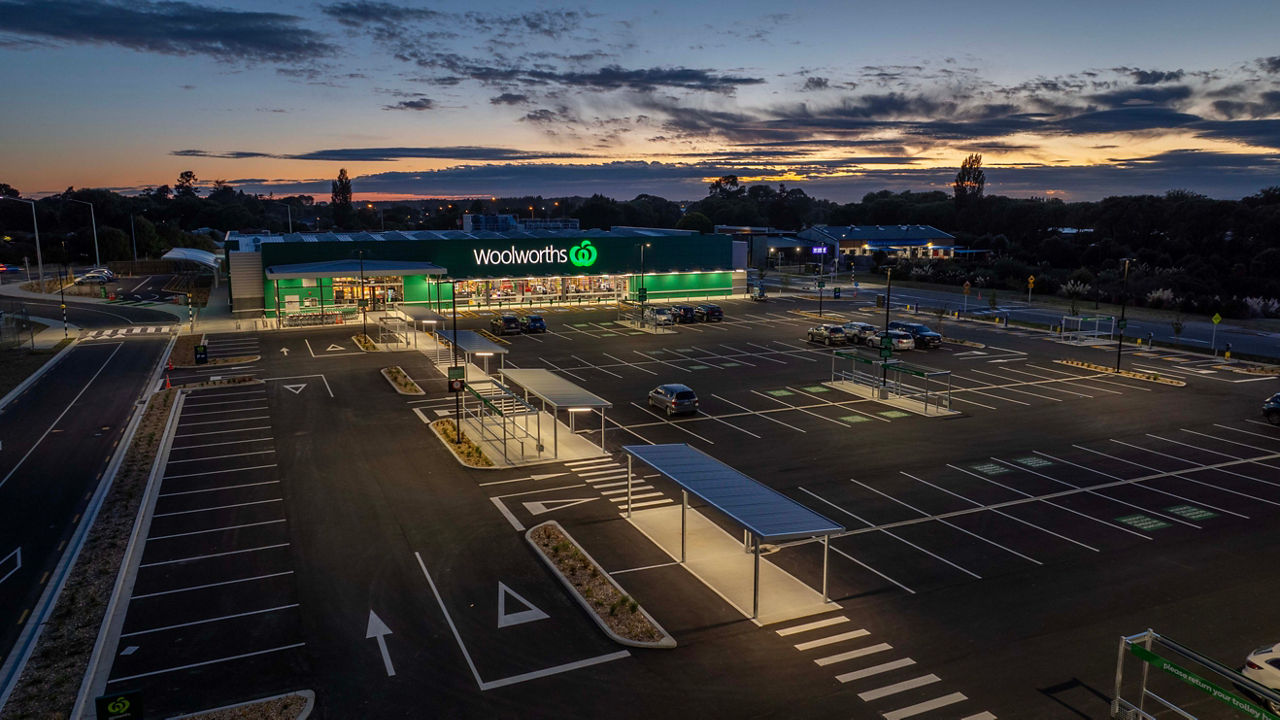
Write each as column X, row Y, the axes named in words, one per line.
column 1238, row 703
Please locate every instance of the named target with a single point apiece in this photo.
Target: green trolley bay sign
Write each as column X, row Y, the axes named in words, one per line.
column 457, row 372
column 886, row 352
column 202, row 354
column 1122, row 324
column 1244, row 707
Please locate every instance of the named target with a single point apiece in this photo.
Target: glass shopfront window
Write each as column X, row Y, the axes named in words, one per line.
column 378, row 290
column 539, row 289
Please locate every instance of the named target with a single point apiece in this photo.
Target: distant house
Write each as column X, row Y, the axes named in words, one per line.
column 896, row 241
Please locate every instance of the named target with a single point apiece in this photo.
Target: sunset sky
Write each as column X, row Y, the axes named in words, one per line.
column 1076, row 100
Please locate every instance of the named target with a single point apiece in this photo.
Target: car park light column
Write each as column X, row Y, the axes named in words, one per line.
column 1124, row 299
column 35, row 226
column 97, row 261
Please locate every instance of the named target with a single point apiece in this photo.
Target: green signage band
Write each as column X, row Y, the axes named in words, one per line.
column 1238, row 703
column 583, row 255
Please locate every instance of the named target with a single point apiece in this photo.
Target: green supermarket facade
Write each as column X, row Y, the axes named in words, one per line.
column 323, row 277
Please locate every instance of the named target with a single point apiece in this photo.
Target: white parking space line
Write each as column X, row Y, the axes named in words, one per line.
column 595, row 367
column 1235, row 442
column 213, row 530
column 218, row 489
column 852, row 654
column 209, row 620
column 843, row 405
column 872, row 526
column 948, row 523
column 832, row 639
column 1182, row 475
column 634, row 488
column 630, row 364
column 207, row 662
column 1091, row 379
column 225, row 402
column 1014, row 382
column 794, row 407
column 764, row 415
column 227, row 420
column 876, row 670
column 222, row 432
column 984, row 715
column 219, row 507
column 982, row 388
column 812, row 626
column 664, row 362
column 898, row 687
column 593, row 473
column 204, row 396
column 1002, row 513
column 211, row 585
column 676, row 425
column 790, row 354
column 557, row 368
column 1052, row 379
column 222, row 457
column 926, row 706
column 746, row 353
column 734, row 358
column 725, row 422
column 1095, row 492
column 213, row 555
column 1048, row 501
column 218, row 472
column 217, row 444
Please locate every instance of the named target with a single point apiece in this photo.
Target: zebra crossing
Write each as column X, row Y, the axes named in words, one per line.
column 124, row 332
column 609, row 478
column 887, row 675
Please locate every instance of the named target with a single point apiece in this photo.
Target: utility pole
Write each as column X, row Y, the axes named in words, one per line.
column 35, row 228
column 888, row 293
column 97, row 260
column 364, row 303
column 457, row 397
column 1124, row 300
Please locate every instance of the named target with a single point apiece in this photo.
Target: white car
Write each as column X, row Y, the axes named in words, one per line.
column 659, row 316
column 858, row 332
column 1263, row 667
column 900, row 340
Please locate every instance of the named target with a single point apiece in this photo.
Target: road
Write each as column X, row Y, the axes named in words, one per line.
column 88, row 315
column 55, row 441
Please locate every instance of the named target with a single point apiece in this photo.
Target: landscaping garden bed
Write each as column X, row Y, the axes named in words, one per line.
column 468, row 453
column 1149, row 377
column 401, row 381
column 617, row 613
column 364, row 343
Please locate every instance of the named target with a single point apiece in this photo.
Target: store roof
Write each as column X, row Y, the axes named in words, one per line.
column 253, row 241
column 557, row 391
column 202, row 257
column 352, row 268
column 752, row 504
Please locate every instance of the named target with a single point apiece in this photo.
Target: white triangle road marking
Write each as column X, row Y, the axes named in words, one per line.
column 542, row 507
column 295, row 389
column 333, row 347
column 507, row 619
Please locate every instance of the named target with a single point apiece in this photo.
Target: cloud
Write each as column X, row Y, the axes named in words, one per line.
column 171, row 27
column 464, row 153
column 1153, row 77
column 507, row 98
column 814, row 82
column 1270, row 65
column 420, row 103
column 1259, row 133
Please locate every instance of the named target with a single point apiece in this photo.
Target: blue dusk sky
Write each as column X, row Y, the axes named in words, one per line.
column 1074, row 100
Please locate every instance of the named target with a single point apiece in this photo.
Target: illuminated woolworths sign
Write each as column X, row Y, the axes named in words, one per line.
column 583, row 255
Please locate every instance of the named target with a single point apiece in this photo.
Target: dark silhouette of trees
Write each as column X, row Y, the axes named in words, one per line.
column 694, row 220
column 970, row 181
column 340, row 200
column 186, row 184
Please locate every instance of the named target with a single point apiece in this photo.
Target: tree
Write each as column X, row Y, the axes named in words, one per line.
column 970, row 181
column 726, row 186
column 694, row 220
column 186, row 184
column 6, row 190
column 341, row 200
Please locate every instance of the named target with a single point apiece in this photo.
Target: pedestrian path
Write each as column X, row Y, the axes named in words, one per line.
column 609, row 477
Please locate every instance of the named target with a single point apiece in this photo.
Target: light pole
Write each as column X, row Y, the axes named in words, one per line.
column 1124, row 300
column 457, row 396
column 62, row 294
column 97, row 261
column 364, row 303
column 133, row 235
column 36, row 228
column 888, row 294
column 382, row 221
column 288, row 208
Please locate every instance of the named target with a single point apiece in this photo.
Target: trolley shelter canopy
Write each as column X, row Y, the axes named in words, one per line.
column 471, row 342
column 767, row 513
column 419, row 314
column 560, row 394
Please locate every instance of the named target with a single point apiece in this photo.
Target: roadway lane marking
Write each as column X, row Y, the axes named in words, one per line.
column 218, row 489
column 948, row 523
column 217, row 529
column 210, row 585
column 852, row 654
column 1090, row 490
column 207, row 662
column 212, row 555
column 514, row 679
column 216, row 472
column 812, row 626
column 229, row 442
column 139, row 285
column 984, row 715
column 645, row 567
column 592, row 461
column 222, row 457
column 898, row 687
column 1000, row 512
column 58, row 419
column 832, row 639
column 875, row 670
column 227, row 402
column 209, row 620
column 220, row 432
column 220, row 507
column 17, row 555
column 204, row 395
column 926, row 706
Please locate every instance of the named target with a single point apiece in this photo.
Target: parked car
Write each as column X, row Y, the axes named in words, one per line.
column 1263, row 667
column 532, row 324
column 858, row 332
column 1271, row 409
column 683, row 313
column 504, row 325
column 758, row 294
column 658, row 315
column 708, row 313
column 92, row 278
column 674, row 399
column 828, row 334
column 924, row 337
column 899, row 340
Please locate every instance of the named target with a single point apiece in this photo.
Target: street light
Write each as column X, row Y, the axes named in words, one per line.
column 888, row 293
column 381, row 220
column 364, row 304
column 97, row 261
column 36, row 227
column 62, row 293
column 289, row 209
column 1124, row 300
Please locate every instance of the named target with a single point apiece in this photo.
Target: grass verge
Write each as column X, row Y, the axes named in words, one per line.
column 17, row 364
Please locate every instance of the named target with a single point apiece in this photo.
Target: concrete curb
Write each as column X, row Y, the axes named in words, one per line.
column 386, row 374
column 449, row 444
column 229, row 361
column 95, row 677
column 308, row 695
column 666, row 643
column 1147, row 377
column 966, row 343
column 31, row 379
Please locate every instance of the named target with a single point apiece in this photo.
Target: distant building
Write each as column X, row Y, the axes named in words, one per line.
column 549, row 224
column 854, row 242
column 474, row 223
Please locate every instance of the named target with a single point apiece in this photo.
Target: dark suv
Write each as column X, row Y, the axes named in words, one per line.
column 674, row 399
column 683, row 313
column 533, row 324
column 505, row 324
column 924, row 337
column 708, row 313
column 1271, row 409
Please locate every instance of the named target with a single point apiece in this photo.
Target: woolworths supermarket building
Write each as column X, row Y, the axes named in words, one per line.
column 321, row 277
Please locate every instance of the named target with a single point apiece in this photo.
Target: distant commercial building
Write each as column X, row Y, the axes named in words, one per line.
column 473, row 223
column 853, row 242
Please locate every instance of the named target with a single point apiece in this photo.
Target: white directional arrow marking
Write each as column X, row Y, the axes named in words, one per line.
column 379, row 629
column 506, row 619
column 333, row 347
column 284, row 352
column 545, row 506
column 295, row 389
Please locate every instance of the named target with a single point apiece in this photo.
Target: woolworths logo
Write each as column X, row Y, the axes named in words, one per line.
column 581, row 255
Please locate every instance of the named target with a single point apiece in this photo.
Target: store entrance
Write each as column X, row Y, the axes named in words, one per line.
column 379, row 291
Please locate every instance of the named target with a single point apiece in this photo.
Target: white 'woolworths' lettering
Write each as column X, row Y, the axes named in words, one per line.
column 548, row 254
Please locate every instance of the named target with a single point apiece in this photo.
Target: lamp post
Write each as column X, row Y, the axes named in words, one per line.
column 888, row 293
column 62, row 293
column 36, row 228
column 1124, row 300
column 644, row 292
column 289, row 209
column 382, row 221
column 457, row 396
column 97, row 261
column 364, row 304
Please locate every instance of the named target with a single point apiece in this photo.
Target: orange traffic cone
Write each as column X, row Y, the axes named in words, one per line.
column 166, row 382
column 170, row 365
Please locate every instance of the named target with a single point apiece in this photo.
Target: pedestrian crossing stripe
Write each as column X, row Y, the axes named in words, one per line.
column 854, row 419
column 1143, row 522
column 990, row 469
column 1191, row 512
column 894, row 414
column 778, row 393
column 1033, row 461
